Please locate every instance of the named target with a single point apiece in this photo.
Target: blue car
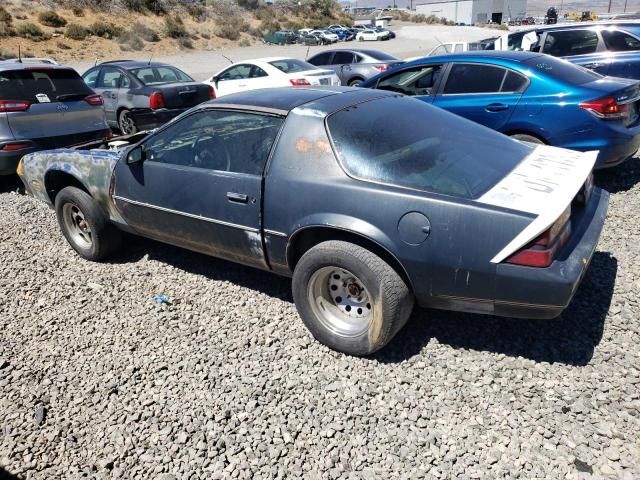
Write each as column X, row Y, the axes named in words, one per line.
column 530, row 96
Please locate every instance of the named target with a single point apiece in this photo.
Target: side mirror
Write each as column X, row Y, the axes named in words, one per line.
column 136, row 155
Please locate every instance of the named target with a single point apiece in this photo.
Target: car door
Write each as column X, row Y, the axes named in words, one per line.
column 108, row 85
column 419, row 81
column 234, row 79
column 198, row 183
column 341, row 64
column 486, row 94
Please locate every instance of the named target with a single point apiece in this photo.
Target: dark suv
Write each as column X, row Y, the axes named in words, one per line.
column 144, row 95
column 44, row 106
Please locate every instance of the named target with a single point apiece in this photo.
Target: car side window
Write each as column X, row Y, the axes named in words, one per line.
column 357, row 58
column 238, row 72
column 570, row 42
column 458, row 48
column 110, row 78
column 340, row 58
column 474, row 78
column 514, row 82
column 227, row 141
column 125, row 81
column 412, row 81
column 91, row 77
column 320, row 59
column 257, row 72
column 617, row 41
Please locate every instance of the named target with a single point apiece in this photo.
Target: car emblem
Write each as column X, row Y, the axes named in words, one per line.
column 62, row 107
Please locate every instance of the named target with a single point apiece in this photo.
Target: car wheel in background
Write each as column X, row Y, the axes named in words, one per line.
column 349, row 298
column 523, row 137
column 354, row 82
column 126, row 123
column 84, row 224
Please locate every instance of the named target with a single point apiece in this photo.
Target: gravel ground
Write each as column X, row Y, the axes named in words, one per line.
column 98, row 381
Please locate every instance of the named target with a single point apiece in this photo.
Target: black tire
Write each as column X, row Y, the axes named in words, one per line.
column 523, row 137
column 390, row 298
column 354, row 81
column 126, row 123
column 104, row 237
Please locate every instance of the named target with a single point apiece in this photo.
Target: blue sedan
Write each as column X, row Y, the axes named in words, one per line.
column 529, row 96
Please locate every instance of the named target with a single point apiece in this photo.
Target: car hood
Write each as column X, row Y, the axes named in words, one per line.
column 543, row 184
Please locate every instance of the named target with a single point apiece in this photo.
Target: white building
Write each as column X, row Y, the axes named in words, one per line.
column 469, row 12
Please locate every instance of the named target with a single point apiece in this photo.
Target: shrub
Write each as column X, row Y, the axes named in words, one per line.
column 185, row 42
column 105, row 30
column 249, row 4
column 174, row 27
column 205, row 36
column 197, row 11
column 146, row 33
column 6, row 30
column 51, row 19
column 131, row 41
column 244, row 43
column 5, row 17
column 228, row 32
column 270, row 25
column 30, row 30
column 78, row 11
column 75, row 31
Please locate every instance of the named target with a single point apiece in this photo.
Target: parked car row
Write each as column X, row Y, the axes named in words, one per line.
column 331, row 34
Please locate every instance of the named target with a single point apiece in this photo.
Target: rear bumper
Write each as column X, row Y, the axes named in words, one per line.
column 616, row 154
column 528, row 292
column 147, row 119
column 9, row 160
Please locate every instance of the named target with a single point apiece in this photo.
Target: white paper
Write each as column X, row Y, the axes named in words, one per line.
column 543, row 184
column 43, row 98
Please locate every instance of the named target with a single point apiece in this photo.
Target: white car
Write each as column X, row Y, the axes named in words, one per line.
column 369, row 34
column 326, row 34
column 269, row 73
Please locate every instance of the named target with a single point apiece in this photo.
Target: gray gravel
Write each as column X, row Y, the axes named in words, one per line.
column 99, row 381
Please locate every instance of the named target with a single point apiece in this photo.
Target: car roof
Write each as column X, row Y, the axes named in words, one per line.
column 285, row 99
column 580, row 25
column 513, row 56
column 13, row 65
column 129, row 64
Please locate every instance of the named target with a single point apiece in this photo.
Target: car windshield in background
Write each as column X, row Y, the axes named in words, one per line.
column 569, row 72
column 42, row 85
column 291, row 65
column 160, row 75
column 380, row 55
column 424, row 149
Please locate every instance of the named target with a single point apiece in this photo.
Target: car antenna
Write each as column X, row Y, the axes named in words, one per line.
column 149, row 62
column 230, row 61
column 307, row 55
column 19, row 54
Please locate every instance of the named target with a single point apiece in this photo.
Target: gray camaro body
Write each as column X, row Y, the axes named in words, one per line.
column 127, row 85
column 449, row 223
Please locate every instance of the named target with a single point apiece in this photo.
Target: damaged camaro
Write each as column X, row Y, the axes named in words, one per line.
column 370, row 200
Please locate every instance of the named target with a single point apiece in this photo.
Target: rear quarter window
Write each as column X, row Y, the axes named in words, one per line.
column 561, row 69
column 26, row 84
column 424, row 148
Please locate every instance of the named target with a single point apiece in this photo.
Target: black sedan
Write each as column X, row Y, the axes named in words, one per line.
column 368, row 199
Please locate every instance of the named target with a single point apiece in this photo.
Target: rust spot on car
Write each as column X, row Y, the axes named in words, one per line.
column 305, row 145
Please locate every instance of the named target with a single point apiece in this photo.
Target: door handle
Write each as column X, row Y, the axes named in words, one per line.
column 496, row 107
column 237, row 197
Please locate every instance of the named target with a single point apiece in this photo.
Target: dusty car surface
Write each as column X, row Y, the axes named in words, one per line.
column 144, row 95
column 366, row 217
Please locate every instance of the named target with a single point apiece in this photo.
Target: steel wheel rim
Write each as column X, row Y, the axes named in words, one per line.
column 126, row 123
column 77, row 225
column 340, row 301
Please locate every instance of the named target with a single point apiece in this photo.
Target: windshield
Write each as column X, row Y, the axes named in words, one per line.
column 424, row 148
column 291, row 65
column 569, row 72
column 42, row 85
column 160, row 75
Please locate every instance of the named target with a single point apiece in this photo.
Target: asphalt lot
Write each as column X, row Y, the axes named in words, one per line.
column 412, row 40
column 98, row 381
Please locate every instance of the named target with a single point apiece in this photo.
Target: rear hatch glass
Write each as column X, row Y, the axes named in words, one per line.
column 41, row 85
column 569, row 72
column 423, row 147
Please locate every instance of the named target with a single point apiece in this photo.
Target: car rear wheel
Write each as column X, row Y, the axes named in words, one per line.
column 523, row 137
column 84, row 224
column 126, row 123
column 349, row 298
column 354, row 82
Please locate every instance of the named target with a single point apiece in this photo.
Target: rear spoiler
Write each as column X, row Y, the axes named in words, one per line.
column 543, row 184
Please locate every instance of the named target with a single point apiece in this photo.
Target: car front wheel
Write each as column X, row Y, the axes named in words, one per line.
column 85, row 226
column 349, row 298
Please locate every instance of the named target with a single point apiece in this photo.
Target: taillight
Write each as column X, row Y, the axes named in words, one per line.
column 14, row 105
column 542, row 251
column 381, row 68
column 212, row 93
column 12, row 147
column 94, row 100
column 156, row 101
column 606, row 108
column 300, row 82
